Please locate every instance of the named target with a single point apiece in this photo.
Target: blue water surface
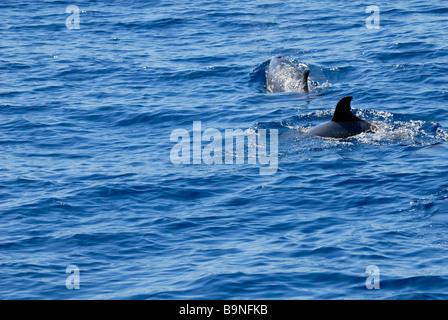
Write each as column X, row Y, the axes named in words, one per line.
column 86, row 176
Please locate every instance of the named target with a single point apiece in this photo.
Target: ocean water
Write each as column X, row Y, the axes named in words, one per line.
column 87, row 178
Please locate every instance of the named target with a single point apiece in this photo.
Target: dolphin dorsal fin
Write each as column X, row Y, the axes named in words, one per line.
column 343, row 111
column 305, row 75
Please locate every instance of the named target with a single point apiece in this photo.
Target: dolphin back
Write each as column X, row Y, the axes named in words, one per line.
column 333, row 129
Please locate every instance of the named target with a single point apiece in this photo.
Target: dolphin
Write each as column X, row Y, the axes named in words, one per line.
column 283, row 76
column 344, row 123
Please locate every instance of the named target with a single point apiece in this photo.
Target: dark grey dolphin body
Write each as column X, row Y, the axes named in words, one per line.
column 343, row 124
column 283, row 76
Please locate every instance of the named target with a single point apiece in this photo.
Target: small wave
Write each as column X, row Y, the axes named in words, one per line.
column 258, row 76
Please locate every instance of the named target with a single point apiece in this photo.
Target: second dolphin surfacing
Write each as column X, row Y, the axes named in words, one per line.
column 283, row 76
column 344, row 123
